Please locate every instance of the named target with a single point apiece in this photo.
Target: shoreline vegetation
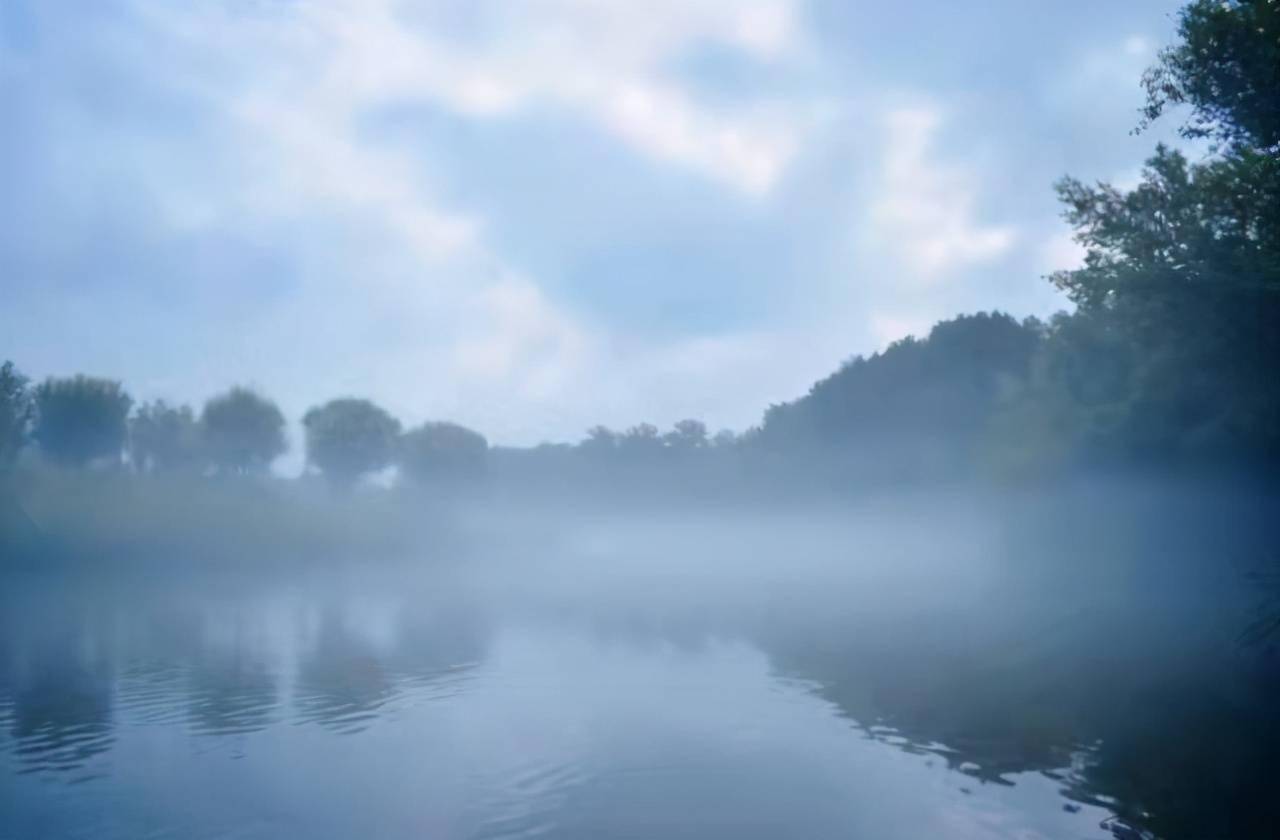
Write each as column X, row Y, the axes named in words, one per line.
column 1169, row 364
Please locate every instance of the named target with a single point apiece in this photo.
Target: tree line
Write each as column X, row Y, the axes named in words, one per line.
column 83, row 421
column 1169, row 357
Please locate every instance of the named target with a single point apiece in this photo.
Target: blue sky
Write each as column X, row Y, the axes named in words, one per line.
column 534, row 216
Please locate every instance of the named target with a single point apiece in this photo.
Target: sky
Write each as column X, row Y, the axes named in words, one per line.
column 532, row 217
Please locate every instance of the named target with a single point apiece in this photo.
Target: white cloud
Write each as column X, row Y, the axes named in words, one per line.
column 517, row 341
column 1060, row 252
column 925, row 211
column 668, row 126
column 765, row 28
column 608, row 61
column 319, row 162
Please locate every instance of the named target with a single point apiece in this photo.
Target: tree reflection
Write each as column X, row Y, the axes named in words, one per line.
column 1174, row 744
column 62, row 705
column 231, row 693
column 341, row 683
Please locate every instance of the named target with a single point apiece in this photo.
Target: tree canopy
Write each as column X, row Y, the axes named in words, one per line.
column 687, row 435
column 347, row 438
column 15, row 414
column 81, row 419
column 1226, row 68
column 243, row 432
column 164, row 438
column 945, row 386
column 1181, row 277
column 442, row 451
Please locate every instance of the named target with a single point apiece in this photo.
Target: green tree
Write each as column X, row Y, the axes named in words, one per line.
column 347, row 438
column 81, row 419
column 1075, row 403
column 944, row 389
column 164, row 438
column 1184, row 269
column 687, row 436
column 242, row 431
column 443, row 452
column 15, row 414
column 1227, row 69
column 1187, row 266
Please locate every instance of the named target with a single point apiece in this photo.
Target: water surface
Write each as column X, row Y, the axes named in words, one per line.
column 610, row 686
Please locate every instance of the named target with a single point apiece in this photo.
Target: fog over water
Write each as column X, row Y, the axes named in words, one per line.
column 917, row 664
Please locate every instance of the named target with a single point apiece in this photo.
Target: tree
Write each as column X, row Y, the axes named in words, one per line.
column 687, row 436
column 724, row 439
column 944, row 388
column 1184, row 269
column 1227, row 69
column 640, row 441
column 1187, row 267
column 347, row 438
column 164, row 438
column 81, row 419
column 444, row 452
column 1074, row 405
column 15, row 414
column 243, row 432
column 600, row 440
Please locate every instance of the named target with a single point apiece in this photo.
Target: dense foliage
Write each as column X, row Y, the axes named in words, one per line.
column 939, row 392
column 443, row 453
column 15, row 414
column 164, row 437
column 347, row 438
column 81, row 419
column 1182, row 282
column 243, row 432
column 1227, row 69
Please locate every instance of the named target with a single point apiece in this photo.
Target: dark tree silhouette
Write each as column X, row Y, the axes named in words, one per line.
column 1182, row 273
column 640, row 441
column 164, row 437
column 347, row 438
column 687, row 436
column 600, row 441
column 945, row 387
column 444, row 453
column 1227, row 69
column 724, row 439
column 81, row 419
column 15, row 414
column 242, row 431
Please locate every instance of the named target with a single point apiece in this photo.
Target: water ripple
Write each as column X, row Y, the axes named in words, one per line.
column 524, row 801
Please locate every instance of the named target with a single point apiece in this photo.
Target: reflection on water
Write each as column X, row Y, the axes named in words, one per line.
column 230, row 694
column 59, row 708
column 402, row 704
column 61, row 719
column 341, row 683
